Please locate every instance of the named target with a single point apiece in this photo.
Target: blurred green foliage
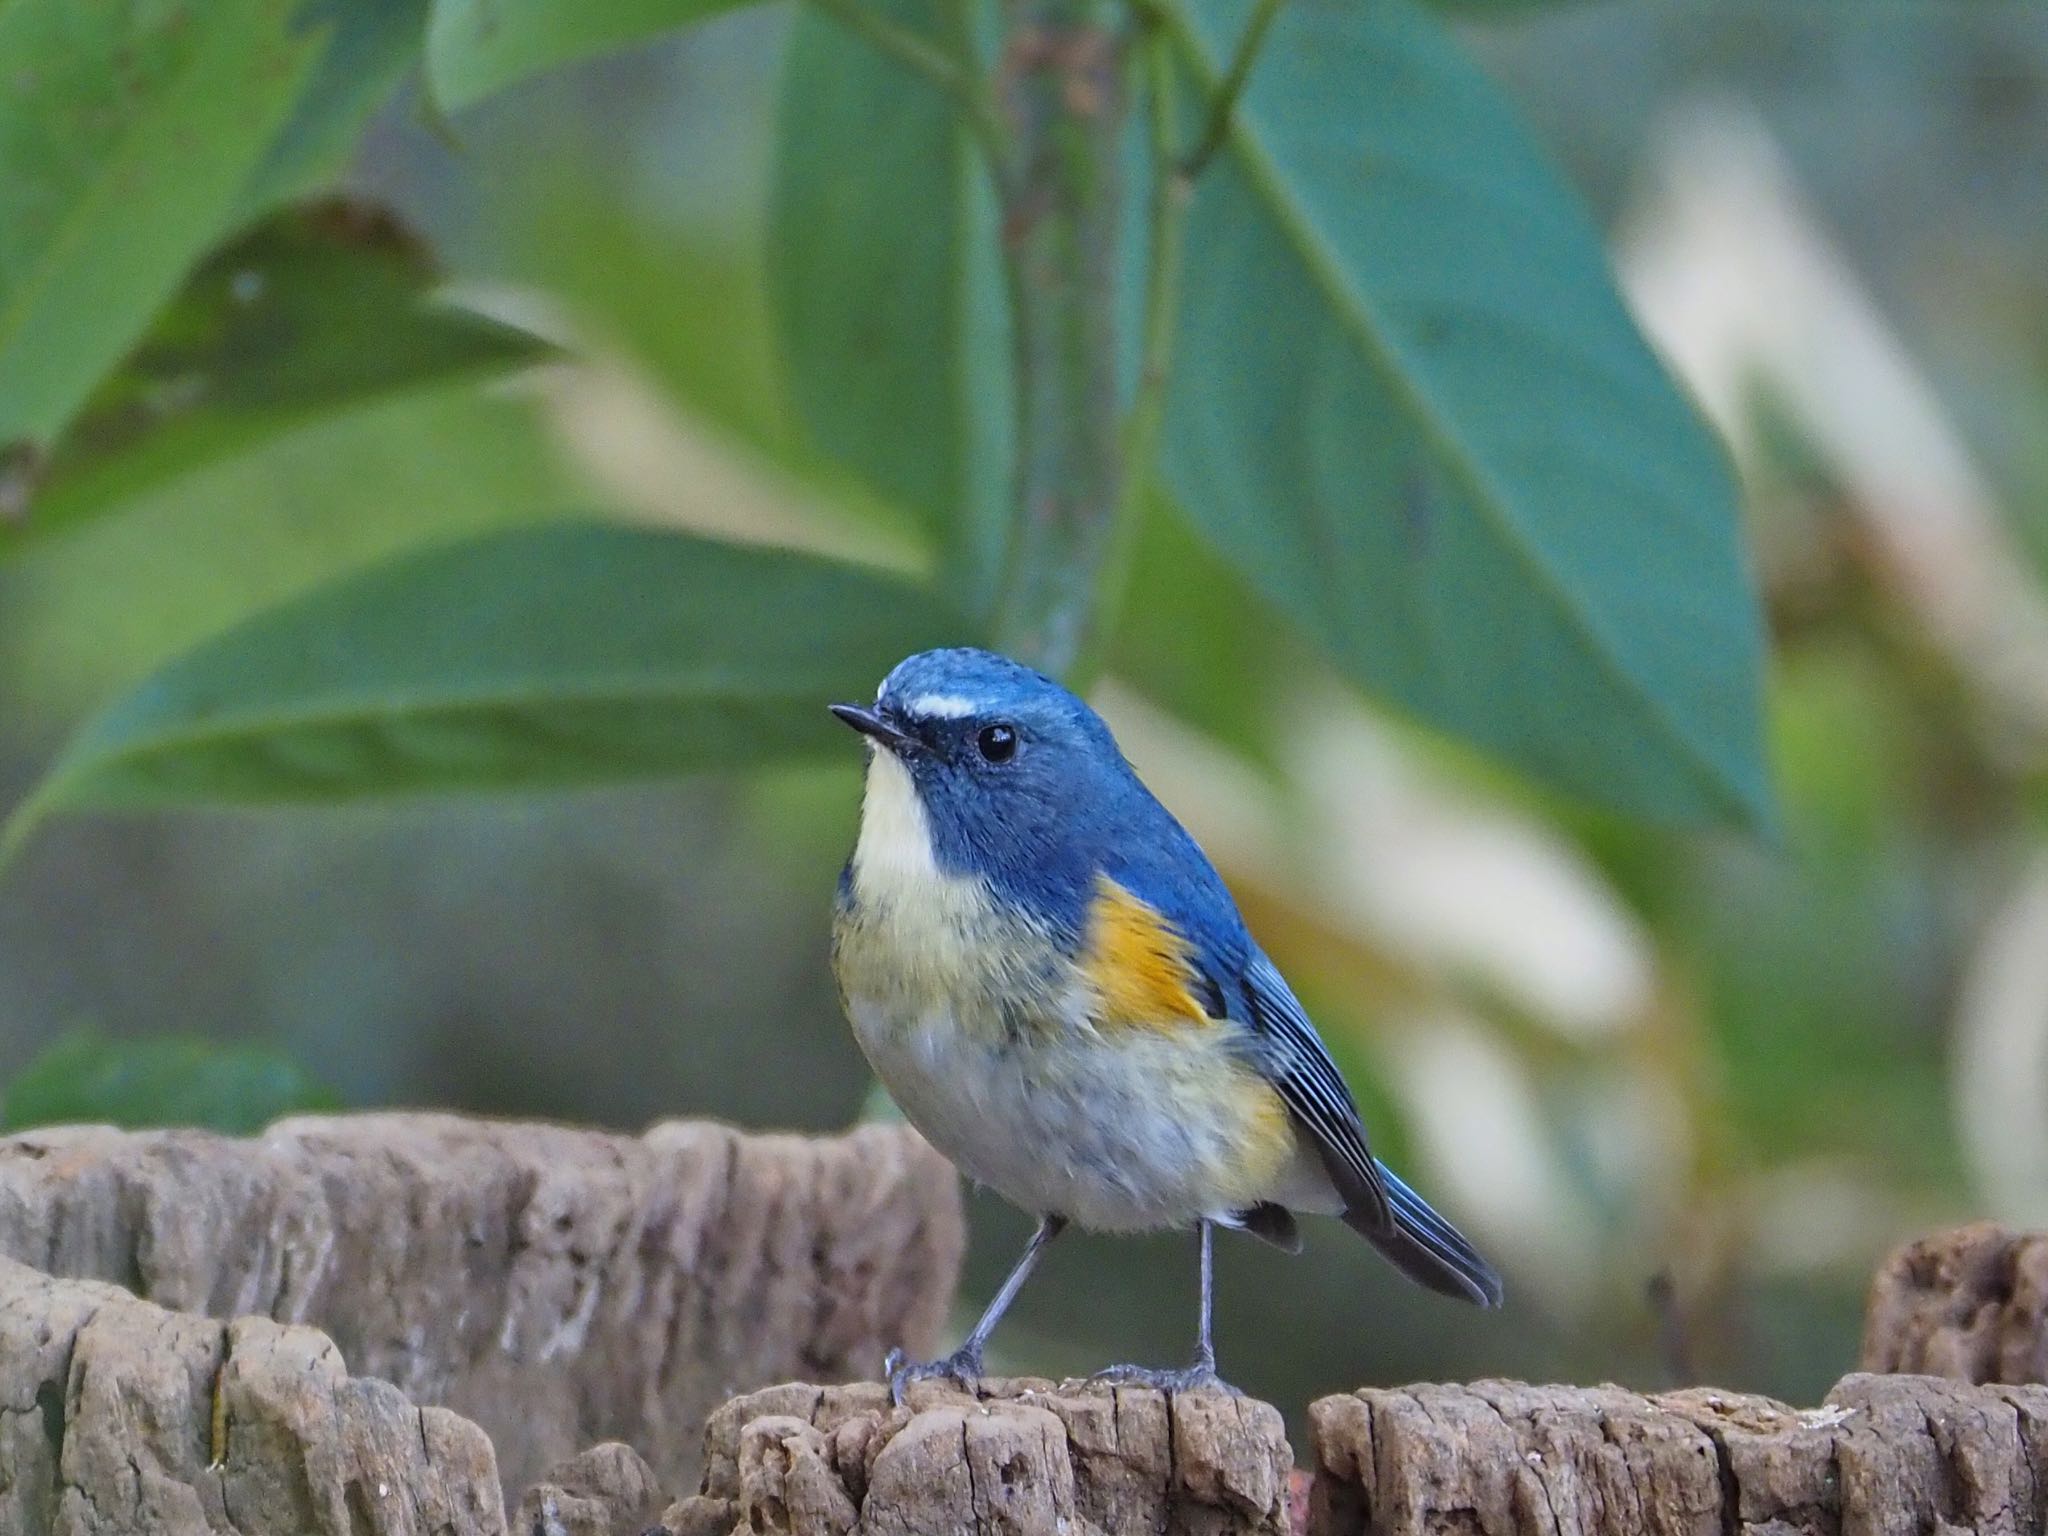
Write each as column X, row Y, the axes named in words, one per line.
column 133, row 137
column 477, row 47
column 302, row 319
column 887, row 291
column 96, row 611
column 84, row 1078
column 1483, row 489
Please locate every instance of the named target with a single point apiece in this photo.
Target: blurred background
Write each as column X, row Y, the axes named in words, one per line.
column 1686, row 1088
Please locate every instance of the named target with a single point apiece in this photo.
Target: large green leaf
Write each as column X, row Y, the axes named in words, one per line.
column 475, row 47
column 84, row 1078
column 129, row 129
column 1219, row 672
column 1494, row 10
column 316, row 311
column 569, row 653
column 887, row 290
column 1409, row 406
column 368, row 46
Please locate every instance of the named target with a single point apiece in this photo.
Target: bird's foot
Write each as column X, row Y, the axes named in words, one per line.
column 963, row 1366
column 1198, row 1377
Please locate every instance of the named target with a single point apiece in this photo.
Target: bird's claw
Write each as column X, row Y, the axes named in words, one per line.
column 1198, row 1377
column 963, row 1366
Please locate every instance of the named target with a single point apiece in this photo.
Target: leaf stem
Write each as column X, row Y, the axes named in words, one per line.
column 957, row 78
column 1062, row 209
column 979, row 99
column 1224, row 103
column 1166, row 227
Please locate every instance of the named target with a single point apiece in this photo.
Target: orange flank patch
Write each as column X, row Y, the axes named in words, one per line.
column 1139, row 964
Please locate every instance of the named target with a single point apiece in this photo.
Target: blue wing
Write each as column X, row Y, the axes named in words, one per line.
column 1293, row 1056
column 1396, row 1220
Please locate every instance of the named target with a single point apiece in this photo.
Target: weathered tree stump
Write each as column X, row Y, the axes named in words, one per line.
column 120, row 1418
column 1905, row 1454
column 609, row 1490
column 1971, row 1303
column 1019, row 1457
column 161, row 1373
column 558, row 1287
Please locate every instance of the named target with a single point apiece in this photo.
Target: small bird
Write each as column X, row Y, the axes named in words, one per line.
column 1053, row 983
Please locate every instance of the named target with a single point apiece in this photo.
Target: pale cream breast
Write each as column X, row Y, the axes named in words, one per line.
column 912, row 941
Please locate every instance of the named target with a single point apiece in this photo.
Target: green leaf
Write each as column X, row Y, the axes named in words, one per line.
column 369, row 45
column 84, row 1078
column 129, row 129
column 685, row 305
column 475, row 47
column 90, row 615
column 1501, row 10
column 1219, row 674
column 571, row 653
column 1409, row 406
column 318, row 311
column 887, row 290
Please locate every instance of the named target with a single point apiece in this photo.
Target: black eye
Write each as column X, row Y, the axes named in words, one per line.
column 998, row 743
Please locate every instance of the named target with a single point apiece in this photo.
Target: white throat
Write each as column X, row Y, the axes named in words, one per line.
column 893, row 857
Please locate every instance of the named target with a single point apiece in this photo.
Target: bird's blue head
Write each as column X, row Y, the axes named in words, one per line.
column 983, row 767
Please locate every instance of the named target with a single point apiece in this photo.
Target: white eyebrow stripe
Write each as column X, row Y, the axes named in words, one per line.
column 939, row 706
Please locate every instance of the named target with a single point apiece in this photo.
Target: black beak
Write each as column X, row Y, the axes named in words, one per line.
column 870, row 723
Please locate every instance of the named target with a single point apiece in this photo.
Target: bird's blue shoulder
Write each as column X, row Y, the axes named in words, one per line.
column 1164, row 867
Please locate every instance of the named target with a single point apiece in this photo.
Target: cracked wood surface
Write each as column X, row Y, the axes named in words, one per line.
column 1020, row 1457
column 120, row 1418
column 1970, row 1303
column 609, row 1490
column 1884, row 1454
column 570, row 1286
column 559, row 1287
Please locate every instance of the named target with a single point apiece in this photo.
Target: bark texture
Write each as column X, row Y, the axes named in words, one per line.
column 1019, row 1458
column 1971, row 1303
column 564, row 1287
column 1884, row 1454
column 119, row 1418
column 559, row 1287
column 607, row 1491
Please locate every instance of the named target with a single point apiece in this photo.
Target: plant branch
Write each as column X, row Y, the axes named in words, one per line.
column 1062, row 213
column 1166, row 225
column 1224, row 103
column 958, row 78
column 979, row 99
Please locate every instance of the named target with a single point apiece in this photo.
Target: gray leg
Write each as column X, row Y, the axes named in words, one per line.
column 964, row 1364
column 1202, row 1373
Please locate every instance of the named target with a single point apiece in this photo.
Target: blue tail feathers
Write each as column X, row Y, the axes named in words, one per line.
column 1428, row 1249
